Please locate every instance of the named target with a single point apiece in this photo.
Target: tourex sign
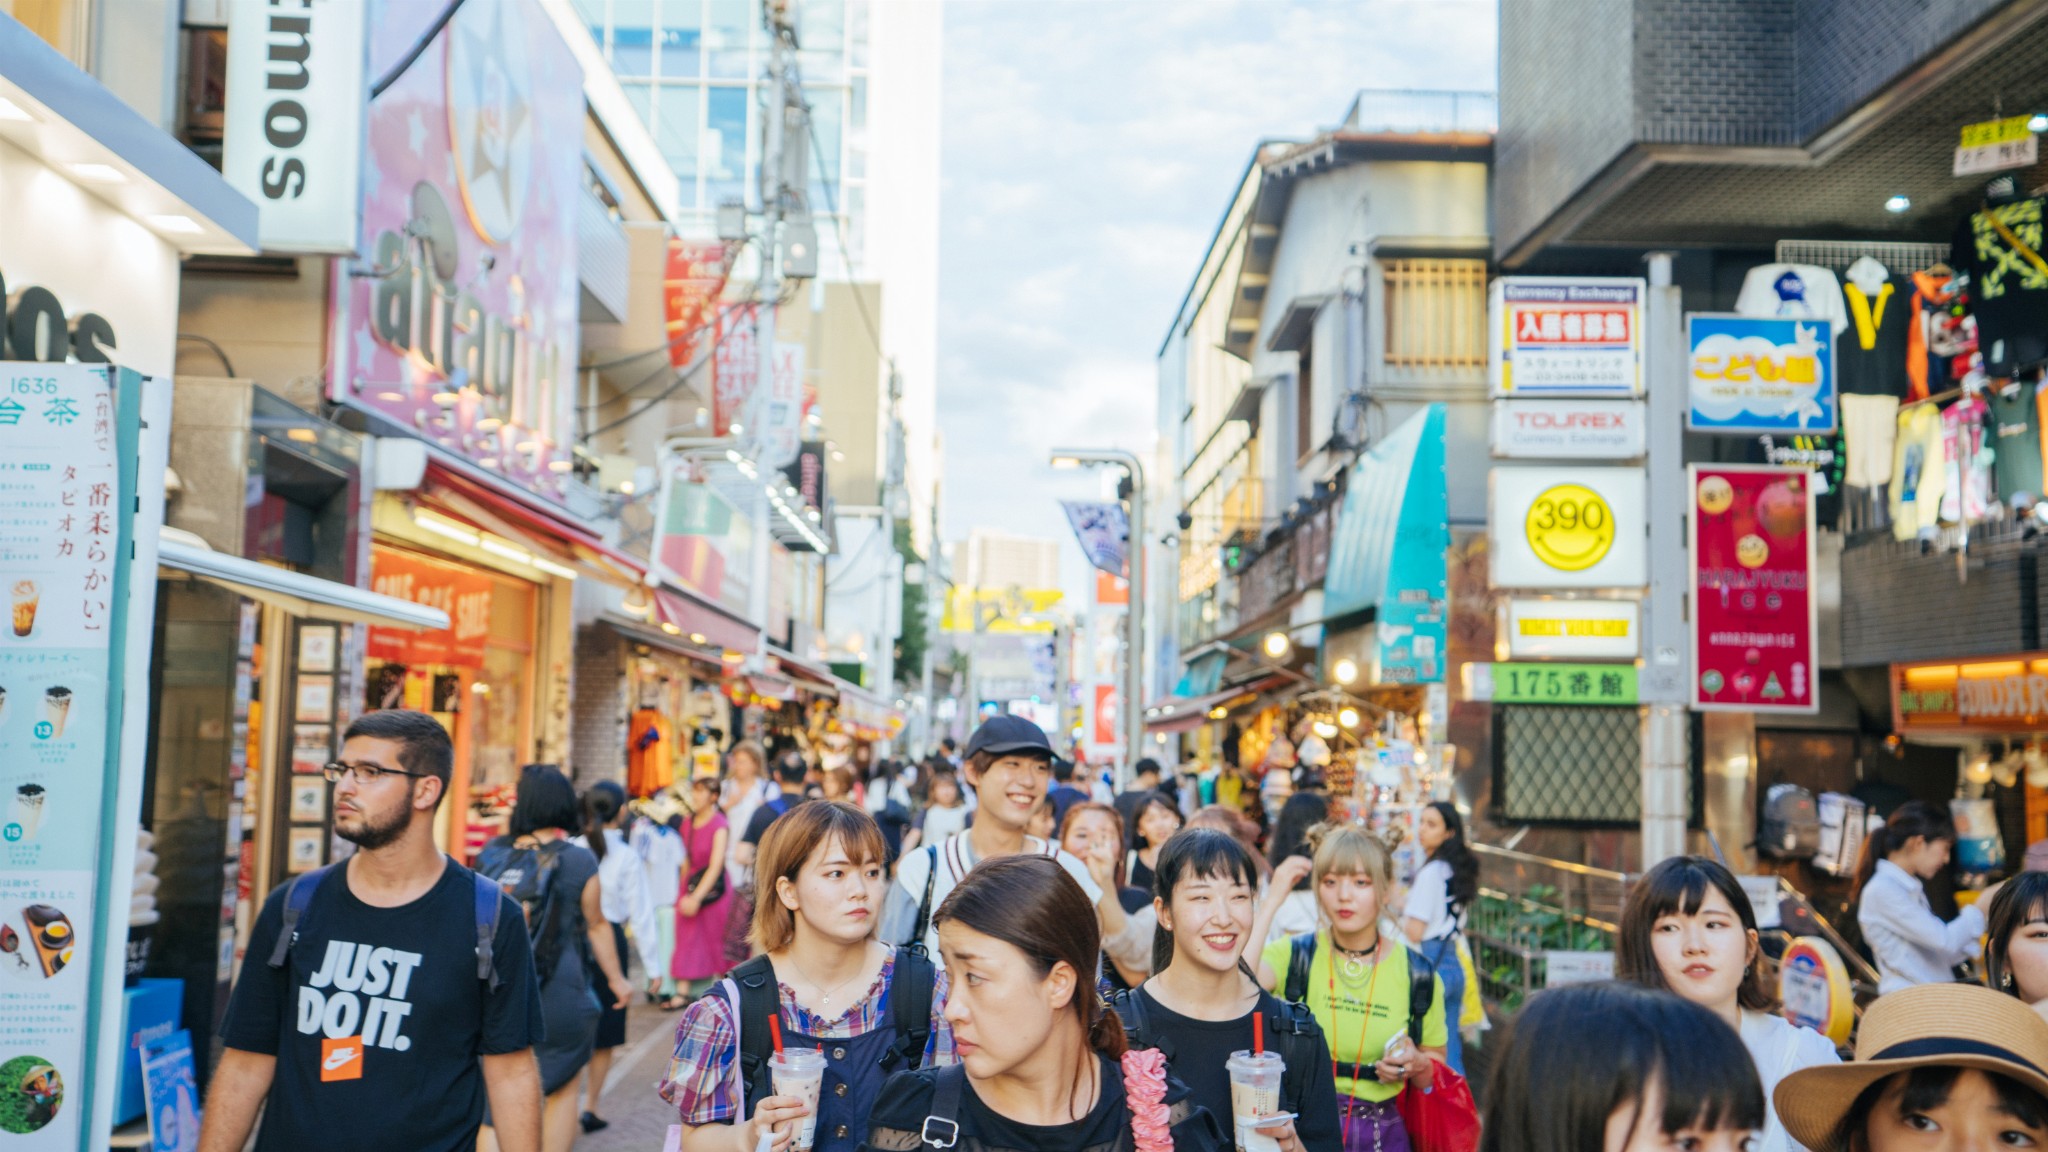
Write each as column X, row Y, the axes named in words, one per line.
column 296, row 97
column 1568, row 429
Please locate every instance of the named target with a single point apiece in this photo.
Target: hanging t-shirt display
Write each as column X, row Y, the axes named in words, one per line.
column 1821, row 455
column 2016, row 440
column 1917, row 472
column 1938, row 334
column 1870, row 355
column 1804, row 290
column 1966, row 483
column 1870, row 425
column 1999, row 251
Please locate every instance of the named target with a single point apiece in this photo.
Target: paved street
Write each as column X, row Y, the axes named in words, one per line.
column 639, row 1118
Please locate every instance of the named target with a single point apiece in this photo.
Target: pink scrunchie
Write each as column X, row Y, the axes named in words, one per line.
column 1145, row 1094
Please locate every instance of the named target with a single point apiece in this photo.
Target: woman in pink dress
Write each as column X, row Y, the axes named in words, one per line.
column 701, row 915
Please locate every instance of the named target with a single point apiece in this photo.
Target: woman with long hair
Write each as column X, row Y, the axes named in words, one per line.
column 2016, row 953
column 1361, row 981
column 1295, row 909
column 1912, row 944
column 704, row 911
column 1200, row 1003
column 1689, row 928
column 1618, row 1067
column 1094, row 834
column 1434, row 919
column 572, row 938
column 623, row 898
column 1042, row 1058
column 828, row 984
column 1154, row 819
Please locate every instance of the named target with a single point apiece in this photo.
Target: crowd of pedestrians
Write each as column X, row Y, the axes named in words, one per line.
column 988, row 950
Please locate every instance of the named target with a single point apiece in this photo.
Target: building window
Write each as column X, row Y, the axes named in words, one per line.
column 1305, row 401
column 1436, row 313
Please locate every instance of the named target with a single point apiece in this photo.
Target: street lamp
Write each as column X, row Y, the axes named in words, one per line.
column 1134, row 675
column 1345, row 670
column 1277, row 645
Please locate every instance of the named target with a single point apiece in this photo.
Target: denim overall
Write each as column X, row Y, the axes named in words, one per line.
column 853, row 1079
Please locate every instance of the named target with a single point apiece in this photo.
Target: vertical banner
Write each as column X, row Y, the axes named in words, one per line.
column 692, row 280
column 297, row 101
column 735, row 367
column 1756, row 619
column 67, row 515
column 779, row 411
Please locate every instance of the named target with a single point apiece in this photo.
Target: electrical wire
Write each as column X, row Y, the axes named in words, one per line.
column 419, row 46
column 682, row 379
column 839, row 236
column 619, row 362
column 225, row 363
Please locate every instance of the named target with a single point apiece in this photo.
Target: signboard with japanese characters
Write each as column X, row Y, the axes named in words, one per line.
column 1995, row 145
column 1566, row 336
column 64, row 525
column 1760, row 374
column 1572, row 629
column 1755, row 618
column 1583, row 684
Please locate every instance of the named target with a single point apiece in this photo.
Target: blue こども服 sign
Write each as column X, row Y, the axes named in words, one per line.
column 1760, row 374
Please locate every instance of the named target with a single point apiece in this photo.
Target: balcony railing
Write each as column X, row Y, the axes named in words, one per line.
column 1414, row 110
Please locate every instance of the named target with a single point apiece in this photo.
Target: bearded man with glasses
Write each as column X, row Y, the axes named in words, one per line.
column 383, row 998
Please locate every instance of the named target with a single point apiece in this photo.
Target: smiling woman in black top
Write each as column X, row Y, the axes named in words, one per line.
column 1198, row 1008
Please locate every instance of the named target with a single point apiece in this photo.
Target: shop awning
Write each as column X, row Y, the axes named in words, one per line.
column 867, row 716
column 508, row 514
column 1394, row 528
column 771, row 687
column 655, row 636
column 810, row 676
column 694, row 618
column 1186, row 713
column 298, row 593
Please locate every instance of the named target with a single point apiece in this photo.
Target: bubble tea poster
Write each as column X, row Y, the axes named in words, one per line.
column 61, row 531
column 1755, row 617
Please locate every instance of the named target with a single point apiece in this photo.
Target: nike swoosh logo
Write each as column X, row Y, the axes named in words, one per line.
column 338, row 1058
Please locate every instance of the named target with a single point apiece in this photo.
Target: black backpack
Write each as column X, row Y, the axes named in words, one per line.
column 1291, row 1030
column 753, row 996
column 527, row 874
column 1421, row 981
column 299, row 897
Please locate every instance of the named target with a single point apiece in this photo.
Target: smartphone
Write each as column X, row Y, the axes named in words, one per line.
column 1273, row 1121
column 1393, row 1042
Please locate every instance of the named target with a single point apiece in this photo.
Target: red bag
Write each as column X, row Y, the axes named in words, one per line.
column 1444, row 1119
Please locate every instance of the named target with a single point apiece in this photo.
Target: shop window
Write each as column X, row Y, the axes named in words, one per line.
column 1305, row 403
column 1436, row 313
column 1574, row 766
column 202, row 113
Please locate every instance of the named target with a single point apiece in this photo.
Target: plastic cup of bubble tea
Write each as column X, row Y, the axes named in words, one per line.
column 800, row 1072
column 1254, row 1095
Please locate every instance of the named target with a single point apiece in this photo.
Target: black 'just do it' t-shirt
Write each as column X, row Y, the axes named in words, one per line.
column 378, row 1019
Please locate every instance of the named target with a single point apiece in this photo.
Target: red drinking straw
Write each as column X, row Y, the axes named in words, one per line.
column 1258, row 1034
column 775, row 1030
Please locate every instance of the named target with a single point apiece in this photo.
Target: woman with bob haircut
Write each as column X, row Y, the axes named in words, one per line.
column 1042, row 1058
column 1619, row 1068
column 1198, row 1007
column 1938, row 1068
column 1688, row 928
column 2016, row 953
column 818, row 893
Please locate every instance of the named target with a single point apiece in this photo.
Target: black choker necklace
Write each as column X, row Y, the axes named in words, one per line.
column 1355, row 959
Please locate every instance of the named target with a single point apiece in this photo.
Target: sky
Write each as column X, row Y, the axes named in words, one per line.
column 1089, row 148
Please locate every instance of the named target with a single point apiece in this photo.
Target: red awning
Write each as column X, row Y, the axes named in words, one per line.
column 691, row 617
column 818, row 680
column 527, row 514
column 771, row 687
column 1183, row 714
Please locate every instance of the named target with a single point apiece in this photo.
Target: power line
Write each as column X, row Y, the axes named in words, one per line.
column 682, row 378
column 839, row 236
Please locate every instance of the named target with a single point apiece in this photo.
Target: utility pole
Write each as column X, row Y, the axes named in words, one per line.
column 1666, row 731
column 775, row 16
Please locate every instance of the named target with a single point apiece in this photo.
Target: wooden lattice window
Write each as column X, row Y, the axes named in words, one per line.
column 1436, row 313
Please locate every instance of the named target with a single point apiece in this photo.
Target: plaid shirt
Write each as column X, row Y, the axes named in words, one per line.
column 699, row 1080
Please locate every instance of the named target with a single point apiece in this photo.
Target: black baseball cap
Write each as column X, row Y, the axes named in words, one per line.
column 1001, row 735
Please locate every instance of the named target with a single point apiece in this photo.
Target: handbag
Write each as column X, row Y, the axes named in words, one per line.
column 717, row 886
column 1443, row 1119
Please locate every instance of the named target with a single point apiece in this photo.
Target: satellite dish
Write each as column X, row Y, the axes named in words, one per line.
column 435, row 225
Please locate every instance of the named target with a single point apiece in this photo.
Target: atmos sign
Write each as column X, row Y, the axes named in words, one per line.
column 294, row 127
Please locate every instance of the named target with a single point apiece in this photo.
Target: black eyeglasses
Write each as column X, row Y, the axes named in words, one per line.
column 364, row 773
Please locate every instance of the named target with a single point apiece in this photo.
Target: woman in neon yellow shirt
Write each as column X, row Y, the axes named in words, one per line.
column 1358, row 983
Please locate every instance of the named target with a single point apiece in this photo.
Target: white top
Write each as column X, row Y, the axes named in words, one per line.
column 1802, row 290
column 752, row 797
column 1298, row 913
column 956, row 858
column 661, row 853
column 1429, row 900
column 941, row 824
column 1781, row 1048
column 1912, row 944
column 622, row 895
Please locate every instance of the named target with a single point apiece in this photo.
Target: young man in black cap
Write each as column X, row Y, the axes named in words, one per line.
column 1009, row 763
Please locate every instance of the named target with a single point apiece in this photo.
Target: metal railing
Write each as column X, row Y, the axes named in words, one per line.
column 1422, row 110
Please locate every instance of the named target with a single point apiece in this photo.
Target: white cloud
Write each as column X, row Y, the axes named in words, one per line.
column 1089, row 149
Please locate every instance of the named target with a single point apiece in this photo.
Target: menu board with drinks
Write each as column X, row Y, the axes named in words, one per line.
column 61, row 531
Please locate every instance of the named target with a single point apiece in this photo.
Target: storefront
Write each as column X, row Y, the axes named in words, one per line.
column 1991, row 717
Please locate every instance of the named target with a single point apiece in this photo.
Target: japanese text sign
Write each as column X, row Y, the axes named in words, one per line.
column 1760, row 374
column 1995, row 145
column 1755, row 617
column 1566, row 336
column 1593, row 684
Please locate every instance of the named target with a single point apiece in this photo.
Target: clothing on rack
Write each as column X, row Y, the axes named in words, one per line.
column 650, row 752
column 1801, row 290
column 1999, row 252
column 1870, row 355
column 1917, row 472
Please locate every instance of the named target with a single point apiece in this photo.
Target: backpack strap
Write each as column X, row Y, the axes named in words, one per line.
column 911, row 986
column 756, row 998
column 1421, row 993
column 488, row 895
column 1292, row 1030
column 296, row 899
column 1300, row 954
column 924, row 907
column 942, row 1127
column 1130, row 1008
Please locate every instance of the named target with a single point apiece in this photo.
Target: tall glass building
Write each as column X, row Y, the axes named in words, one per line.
column 694, row 69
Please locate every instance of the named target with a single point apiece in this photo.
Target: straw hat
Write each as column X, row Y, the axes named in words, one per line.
column 1947, row 1025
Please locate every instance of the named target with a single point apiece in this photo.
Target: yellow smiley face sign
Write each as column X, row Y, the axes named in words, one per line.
column 1570, row 527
